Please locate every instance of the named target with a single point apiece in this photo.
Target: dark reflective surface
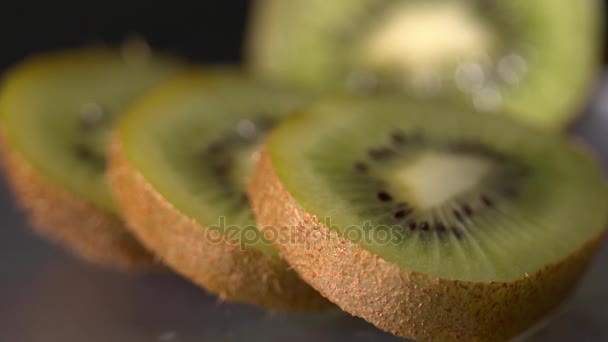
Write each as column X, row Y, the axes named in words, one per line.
column 46, row 295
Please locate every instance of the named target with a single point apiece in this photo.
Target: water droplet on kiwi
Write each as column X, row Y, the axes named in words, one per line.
column 488, row 99
column 469, row 77
column 92, row 114
column 246, row 129
column 511, row 68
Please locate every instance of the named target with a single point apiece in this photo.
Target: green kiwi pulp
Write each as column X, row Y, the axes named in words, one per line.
column 460, row 196
column 196, row 149
column 180, row 161
column 531, row 60
column 57, row 110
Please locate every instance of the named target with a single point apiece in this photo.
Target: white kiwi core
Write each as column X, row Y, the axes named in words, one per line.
column 436, row 177
column 426, row 37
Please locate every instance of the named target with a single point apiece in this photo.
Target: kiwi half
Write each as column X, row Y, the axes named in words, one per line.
column 179, row 164
column 56, row 110
column 431, row 226
column 536, row 59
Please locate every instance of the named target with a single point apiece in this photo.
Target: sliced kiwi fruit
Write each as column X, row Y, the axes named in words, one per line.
column 56, row 110
column 180, row 160
column 536, row 59
column 430, row 220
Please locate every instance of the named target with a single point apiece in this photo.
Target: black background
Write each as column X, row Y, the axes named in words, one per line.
column 207, row 31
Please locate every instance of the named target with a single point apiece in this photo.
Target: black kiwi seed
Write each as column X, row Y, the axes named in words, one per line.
column 222, row 170
column 456, row 231
column 440, row 227
column 467, row 210
column 398, row 138
column 380, row 153
column 85, row 153
column 360, row 166
column 424, row 226
column 458, row 216
column 413, row 225
column 486, row 201
column 384, row 196
column 403, row 213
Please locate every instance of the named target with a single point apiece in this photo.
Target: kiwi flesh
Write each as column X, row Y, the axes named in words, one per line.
column 533, row 60
column 56, row 111
column 180, row 159
column 429, row 220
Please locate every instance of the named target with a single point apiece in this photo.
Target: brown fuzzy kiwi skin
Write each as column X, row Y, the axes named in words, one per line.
column 405, row 303
column 210, row 261
column 88, row 232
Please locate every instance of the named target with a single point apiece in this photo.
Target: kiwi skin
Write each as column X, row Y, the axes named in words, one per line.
column 405, row 303
column 218, row 265
column 92, row 234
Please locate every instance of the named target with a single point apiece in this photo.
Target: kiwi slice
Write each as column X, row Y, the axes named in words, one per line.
column 430, row 220
column 56, row 110
column 536, row 59
column 179, row 164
